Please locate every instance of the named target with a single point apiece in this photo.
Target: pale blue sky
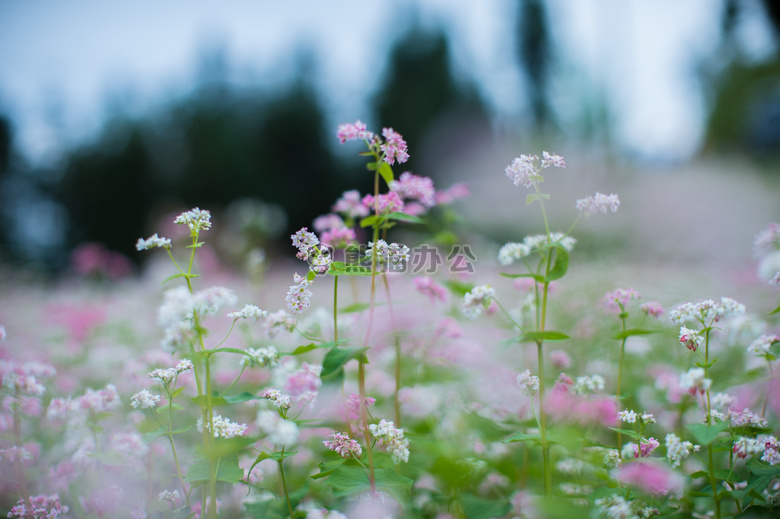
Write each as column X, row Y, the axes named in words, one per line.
column 60, row 61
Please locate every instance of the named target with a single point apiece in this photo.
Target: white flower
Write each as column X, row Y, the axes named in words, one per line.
column 476, row 300
column 279, row 432
column 393, row 440
column 528, row 383
column 223, row 427
column 627, row 416
column 250, row 312
column 144, row 399
column 151, row 242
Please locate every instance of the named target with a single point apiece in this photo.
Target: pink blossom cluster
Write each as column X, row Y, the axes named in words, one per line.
column 279, row 399
column 351, row 205
column 304, row 383
column 394, row 147
column 90, row 259
column 353, row 406
column 306, row 242
column 651, row 477
column 645, row 448
column 619, row 298
column 384, row 203
column 690, row 338
column 39, row 507
column 413, row 187
column 652, row 308
column 91, row 402
column 427, row 286
column 452, row 193
column 353, row 131
column 22, row 377
column 523, row 170
column 343, row 445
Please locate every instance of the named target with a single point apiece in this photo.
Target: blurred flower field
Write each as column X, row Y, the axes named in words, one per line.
column 383, row 372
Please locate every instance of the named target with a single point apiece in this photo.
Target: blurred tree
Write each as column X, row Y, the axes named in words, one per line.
column 419, row 93
column 534, row 53
column 207, row 150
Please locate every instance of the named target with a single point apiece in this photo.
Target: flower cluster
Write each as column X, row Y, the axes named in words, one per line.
column 40, row 506
column 394, row 255
column 706, row 311
column 278, row 398
column 760, row 347
column 151, row 242
column 427, row 286
column 343, row 445
column 264, row 357
column 351, row 205
column 529, row 384
column 414, row 187
column 166, row 376
column 766, row 446
column 619, row 298
column 196, row 219
column 298, row 295
column 251, row 312
column 477, row 299
column 353, row 406
column 180, row 311
column 21, row 378
column 525, row 169
column 277, row 321
column 598, row 203
column 652, row 308
column 677, row 450
column 278, row 431
column 384, row 203
column 694, row 381
column 394, row 147
column 144, row 399
column 351, row 132
column 512, row 251
column 690, row 338
column 393, row 440
column 588, row 385
column 223, row 427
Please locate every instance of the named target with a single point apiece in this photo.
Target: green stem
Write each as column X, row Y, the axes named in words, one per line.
column 543, row 423
column 235, row 381
column 620, row 376
column 713, row 480
column 284, row 485
column 364, row 420
column 335, row 308
column 397, row 406
column 768, row 389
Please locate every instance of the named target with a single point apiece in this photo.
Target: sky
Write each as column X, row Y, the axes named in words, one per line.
column 63, row 64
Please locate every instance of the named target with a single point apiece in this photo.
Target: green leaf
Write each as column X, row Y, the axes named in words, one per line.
column 386, row 171
column 560, row 263
column 632, row 332
column 759, row 468
column 756, row 512
column 202, row 401
column 480, row 508
column 372, row 220
column 151, row 436
column 228, row 471
column 351, row 479
column 223, row 447
column 523, row 437
column 403, row 217
column 176, row 393
column 707, row 365
column 458, row 288
column 705, row 434
column 631, row 434
column 339, row 268
column 336, row 358
column 246, row 396
column 304, row 349
column 546, row 335
column 537, row 277
column 776, row 310
column 534, row 197
column 355, row 307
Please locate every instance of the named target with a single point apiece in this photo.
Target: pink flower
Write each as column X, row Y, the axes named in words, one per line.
column 452, row 193
column 338, row 237
column 644, row 449
column 350, row 205
column 560, row 359
column 620, row 297
column 305, row 382
column 652, row 308
column 427, row 286
column 351, row 132
column 650, row 477
column 522, row 170
column 344, row 446
column 385, row 203
column 413, row 187
column 353, row 406
column 327, row 222
column 564, row 406
column 394, row 147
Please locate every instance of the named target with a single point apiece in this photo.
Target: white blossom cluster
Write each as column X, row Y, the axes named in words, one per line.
column 223, row 427
column 476, row 300
column 393, row 440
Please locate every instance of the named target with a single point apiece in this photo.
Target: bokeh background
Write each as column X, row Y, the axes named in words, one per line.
column 115, row 115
